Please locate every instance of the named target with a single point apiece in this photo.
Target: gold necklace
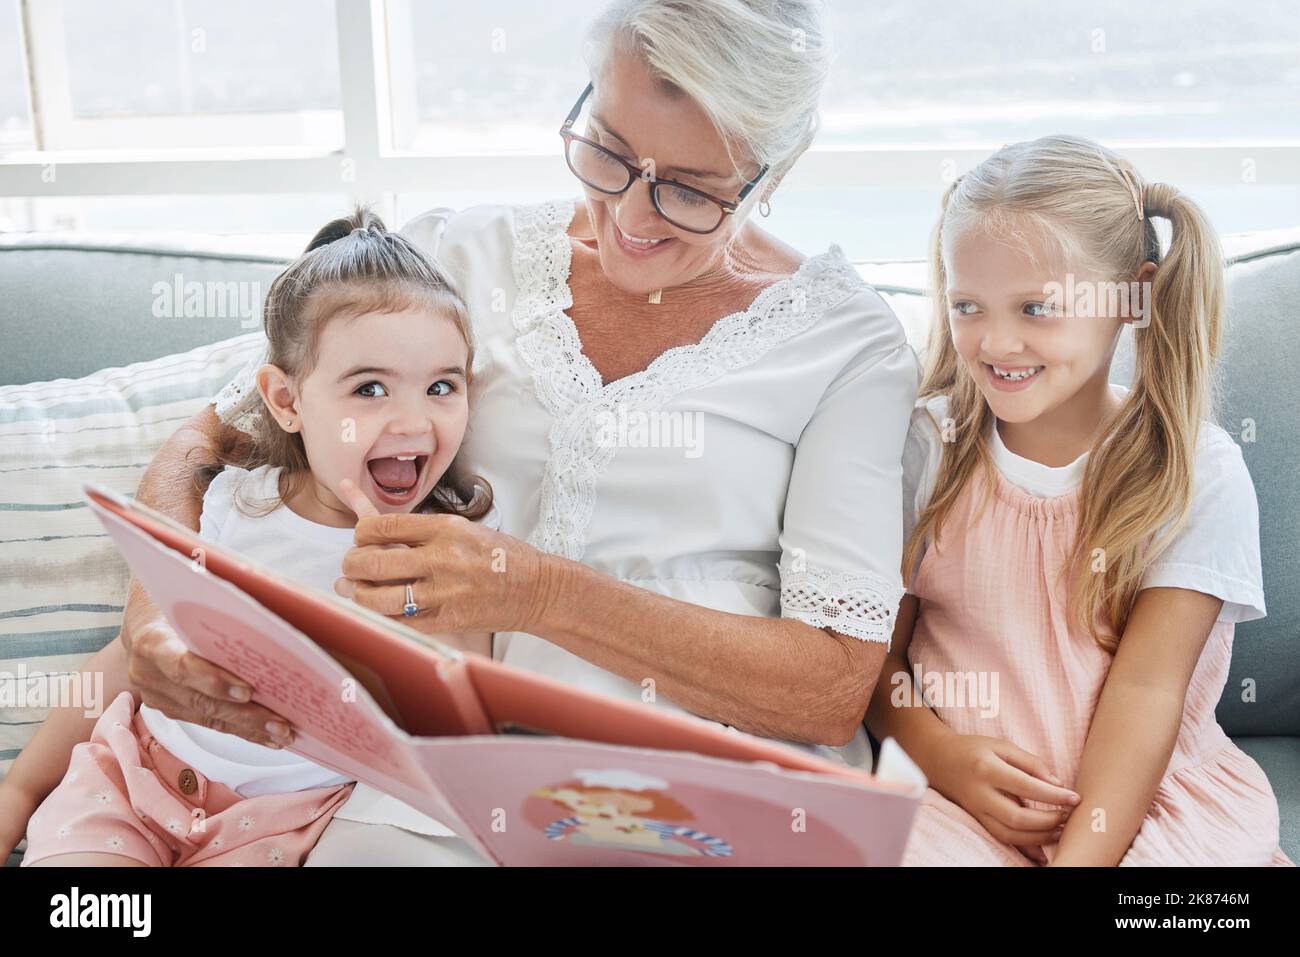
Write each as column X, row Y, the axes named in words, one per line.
column 720, row 272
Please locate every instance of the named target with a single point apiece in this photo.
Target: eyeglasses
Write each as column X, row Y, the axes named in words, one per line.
column 606, row 172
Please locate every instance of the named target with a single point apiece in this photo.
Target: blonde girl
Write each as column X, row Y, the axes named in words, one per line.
column 1077, row 553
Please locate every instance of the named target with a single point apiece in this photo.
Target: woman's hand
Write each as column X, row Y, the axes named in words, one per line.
column 990, row 778
column 166, row 675
column 464, row 577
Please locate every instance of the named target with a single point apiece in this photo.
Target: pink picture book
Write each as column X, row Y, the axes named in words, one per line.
column 527, row 770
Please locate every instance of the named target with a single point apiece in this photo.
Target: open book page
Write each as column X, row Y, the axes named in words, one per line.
column 337, row 721
column 537, row 800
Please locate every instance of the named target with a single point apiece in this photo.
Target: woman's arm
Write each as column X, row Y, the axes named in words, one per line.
column 775, row 677
column 1145, row 689
column 163, row 673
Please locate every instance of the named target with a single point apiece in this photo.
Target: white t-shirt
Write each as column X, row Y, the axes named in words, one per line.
column 756, row 471
column 1217, row 550
column 311, row 554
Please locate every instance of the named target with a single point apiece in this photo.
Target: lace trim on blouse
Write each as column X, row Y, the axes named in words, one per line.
column 570, row 388
column 860, row 606
column 239, row 404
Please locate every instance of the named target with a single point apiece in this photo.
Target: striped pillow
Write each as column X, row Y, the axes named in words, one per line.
column 62, row 583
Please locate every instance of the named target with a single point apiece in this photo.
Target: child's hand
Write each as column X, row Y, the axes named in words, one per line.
column 990, row 778
column 16, row 809
column 361, row 506
column 355, row 499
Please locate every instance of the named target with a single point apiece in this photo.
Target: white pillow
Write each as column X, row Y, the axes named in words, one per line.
column 62, row 583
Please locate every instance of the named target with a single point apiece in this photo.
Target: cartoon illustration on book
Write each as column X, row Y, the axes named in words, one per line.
column 626, row 810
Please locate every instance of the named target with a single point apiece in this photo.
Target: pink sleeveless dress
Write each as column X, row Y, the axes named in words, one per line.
column 993, row 603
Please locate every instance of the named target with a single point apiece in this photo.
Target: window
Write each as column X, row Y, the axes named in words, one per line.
column 243, row 116
column 186, row 74
column 494, row 77
column 15, row 115
column 1170, row 71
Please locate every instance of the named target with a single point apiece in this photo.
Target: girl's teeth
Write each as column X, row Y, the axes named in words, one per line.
column 1016, row 375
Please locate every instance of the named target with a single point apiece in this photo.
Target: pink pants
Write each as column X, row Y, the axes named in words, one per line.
column 125, row 794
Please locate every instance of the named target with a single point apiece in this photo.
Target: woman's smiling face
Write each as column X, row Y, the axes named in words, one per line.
column 635, row 117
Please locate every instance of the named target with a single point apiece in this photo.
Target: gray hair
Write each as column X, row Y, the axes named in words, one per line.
column 756, row 67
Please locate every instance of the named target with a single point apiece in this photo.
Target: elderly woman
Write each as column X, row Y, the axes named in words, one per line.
column 745, row 570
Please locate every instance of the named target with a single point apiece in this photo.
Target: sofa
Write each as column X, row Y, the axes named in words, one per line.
column 105, row 353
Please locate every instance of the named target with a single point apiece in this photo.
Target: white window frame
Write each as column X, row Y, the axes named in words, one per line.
column 60, row 129
column 367, row 170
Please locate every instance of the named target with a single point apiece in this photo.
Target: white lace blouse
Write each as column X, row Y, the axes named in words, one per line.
column 756, row 472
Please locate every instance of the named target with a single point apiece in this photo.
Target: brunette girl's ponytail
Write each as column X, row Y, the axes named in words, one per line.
column 362, row 219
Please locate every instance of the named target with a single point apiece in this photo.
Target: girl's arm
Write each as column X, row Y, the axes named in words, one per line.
column 988, row 777
column 1145, row 689
column 43, row 762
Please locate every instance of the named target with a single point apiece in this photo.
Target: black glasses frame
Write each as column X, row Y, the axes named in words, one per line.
column 635, row 172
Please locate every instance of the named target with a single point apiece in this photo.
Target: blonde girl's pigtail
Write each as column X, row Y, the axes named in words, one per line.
column 940, row 357
column 1188, row 292
column 1139, row 479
